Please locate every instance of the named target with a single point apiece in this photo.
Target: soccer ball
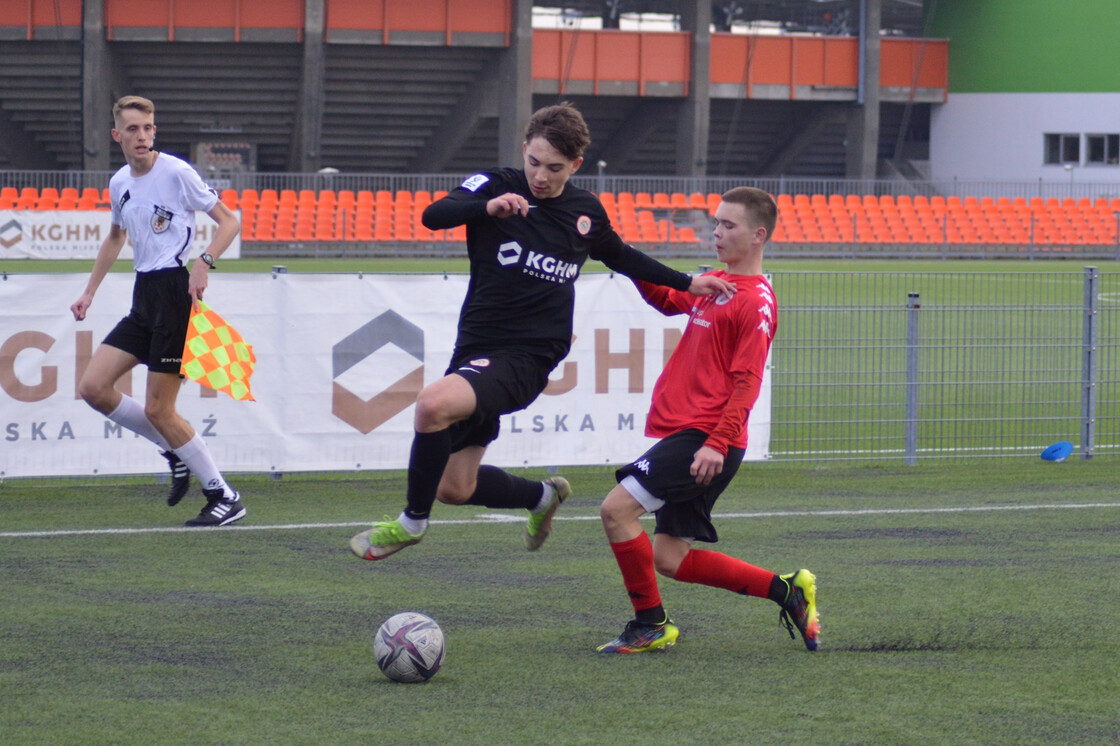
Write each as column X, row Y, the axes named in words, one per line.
column 409, row 647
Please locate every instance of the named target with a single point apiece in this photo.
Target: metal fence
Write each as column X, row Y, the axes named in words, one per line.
column 917, row 366
column 1060, row 187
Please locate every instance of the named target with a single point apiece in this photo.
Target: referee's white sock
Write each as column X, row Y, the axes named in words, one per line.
column 130, row 413
column 196, row 456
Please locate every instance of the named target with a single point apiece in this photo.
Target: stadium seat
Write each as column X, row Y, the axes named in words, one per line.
column 48, row 199
column 28, row 197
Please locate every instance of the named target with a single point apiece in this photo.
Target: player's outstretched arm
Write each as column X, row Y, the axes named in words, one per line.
column 711, row 285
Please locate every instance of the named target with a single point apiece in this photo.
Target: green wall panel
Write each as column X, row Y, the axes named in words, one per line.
column 1029, row 46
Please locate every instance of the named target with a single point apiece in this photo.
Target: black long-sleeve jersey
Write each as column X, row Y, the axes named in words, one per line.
column 523, row 269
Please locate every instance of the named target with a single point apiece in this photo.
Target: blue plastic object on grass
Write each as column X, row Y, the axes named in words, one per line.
column 1059, row 451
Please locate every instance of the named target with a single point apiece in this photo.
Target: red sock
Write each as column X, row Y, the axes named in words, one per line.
column 635, row 560
column 721, row 571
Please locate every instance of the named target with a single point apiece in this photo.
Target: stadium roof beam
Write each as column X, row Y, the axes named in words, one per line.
column 830, row 17
column 479, row 101
column 823, row 117
column 643, row 120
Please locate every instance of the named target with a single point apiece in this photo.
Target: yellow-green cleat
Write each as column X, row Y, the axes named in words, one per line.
column 540, row 524
column 383, row 539
column 639, row 637
column 800, row 607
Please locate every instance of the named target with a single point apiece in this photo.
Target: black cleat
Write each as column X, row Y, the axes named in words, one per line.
column 219, row 510
column 180, row 478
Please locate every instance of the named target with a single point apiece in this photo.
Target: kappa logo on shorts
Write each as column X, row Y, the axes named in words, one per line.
column 162, row 219
column 481, row 362
column 583, row 225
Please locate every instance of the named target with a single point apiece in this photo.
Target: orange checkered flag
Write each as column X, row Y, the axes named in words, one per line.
column 216, row 356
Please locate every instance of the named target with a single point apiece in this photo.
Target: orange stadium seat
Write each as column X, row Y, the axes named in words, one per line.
column 48, row 199
column 28, row 196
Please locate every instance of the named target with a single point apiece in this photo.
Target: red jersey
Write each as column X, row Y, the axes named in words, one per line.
column 714, row 375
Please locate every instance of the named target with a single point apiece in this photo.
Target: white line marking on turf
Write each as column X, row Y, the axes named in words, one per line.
column 505, row 518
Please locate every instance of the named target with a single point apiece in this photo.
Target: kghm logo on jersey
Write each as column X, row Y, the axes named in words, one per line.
column 550, row 268
column 583, row 225
column 161, row 220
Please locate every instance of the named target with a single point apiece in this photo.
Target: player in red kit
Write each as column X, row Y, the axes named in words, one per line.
column 700, row 407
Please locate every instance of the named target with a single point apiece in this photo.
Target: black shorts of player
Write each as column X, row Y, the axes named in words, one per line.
column 155, row 330
column 504, row 381
column 663, row 471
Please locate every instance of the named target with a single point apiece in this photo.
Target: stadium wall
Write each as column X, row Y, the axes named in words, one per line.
column 1021, row 74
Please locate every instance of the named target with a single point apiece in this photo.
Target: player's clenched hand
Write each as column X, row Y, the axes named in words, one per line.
column 706, row 464
column 200, row 278
column 711, row 285
column 81, row 306
column 507, row 205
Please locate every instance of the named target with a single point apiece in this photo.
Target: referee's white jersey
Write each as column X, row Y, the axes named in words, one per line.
column 157, row 210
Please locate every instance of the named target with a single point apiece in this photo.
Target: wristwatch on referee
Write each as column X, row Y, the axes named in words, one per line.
column 208, row 260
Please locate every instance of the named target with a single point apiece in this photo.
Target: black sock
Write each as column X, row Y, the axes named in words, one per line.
column 499, row 489
column 656, row 615
column 430, row 452
column 779, row 589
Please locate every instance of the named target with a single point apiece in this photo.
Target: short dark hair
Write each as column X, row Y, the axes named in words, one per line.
column 563, row 127
column 761, row 208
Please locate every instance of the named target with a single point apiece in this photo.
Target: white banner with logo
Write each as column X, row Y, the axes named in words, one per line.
column 340, row 359
column 77, row 234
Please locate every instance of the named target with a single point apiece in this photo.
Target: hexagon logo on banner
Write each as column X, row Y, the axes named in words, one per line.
column 390, row 329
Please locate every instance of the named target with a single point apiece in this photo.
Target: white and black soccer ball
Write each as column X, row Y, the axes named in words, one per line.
column 409, row 647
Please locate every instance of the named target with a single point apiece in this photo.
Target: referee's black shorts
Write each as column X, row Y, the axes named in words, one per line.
column 663, row 473
column 504, row 381
column 155, row 330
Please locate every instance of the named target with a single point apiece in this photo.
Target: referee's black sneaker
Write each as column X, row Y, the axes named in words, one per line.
column 219, row 511
column 180, row 478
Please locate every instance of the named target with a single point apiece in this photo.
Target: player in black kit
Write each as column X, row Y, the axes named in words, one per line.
column 528, row 233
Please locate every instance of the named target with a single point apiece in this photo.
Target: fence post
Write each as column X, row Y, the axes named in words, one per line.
column 1089, row 364
column 912, row 306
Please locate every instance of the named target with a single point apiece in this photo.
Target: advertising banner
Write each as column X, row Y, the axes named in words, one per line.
column 340, row 359
column 77, row 234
